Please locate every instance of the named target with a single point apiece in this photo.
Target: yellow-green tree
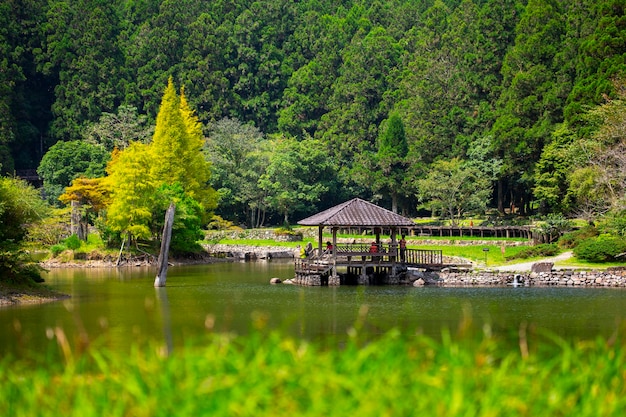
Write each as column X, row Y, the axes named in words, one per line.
column 139, row 174
column 87, row 196
column 132, row 191
column 176, row 149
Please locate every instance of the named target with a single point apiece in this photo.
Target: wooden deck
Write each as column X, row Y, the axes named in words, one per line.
column 356, row 260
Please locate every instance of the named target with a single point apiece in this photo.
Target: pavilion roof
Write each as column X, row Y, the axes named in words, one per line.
column 357, row 212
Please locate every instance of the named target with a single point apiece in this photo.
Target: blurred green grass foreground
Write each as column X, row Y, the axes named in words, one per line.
column 267, row 373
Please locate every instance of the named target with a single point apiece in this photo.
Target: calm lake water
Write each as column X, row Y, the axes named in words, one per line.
column 117, row 308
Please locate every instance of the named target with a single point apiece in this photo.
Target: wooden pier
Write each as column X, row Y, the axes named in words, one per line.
column 353, row 264
column 359, row 263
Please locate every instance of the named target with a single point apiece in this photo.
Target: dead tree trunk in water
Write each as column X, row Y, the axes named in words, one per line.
column 165, row 247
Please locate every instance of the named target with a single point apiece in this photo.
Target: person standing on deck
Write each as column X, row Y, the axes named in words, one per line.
column 402, row 249
column 373, row 249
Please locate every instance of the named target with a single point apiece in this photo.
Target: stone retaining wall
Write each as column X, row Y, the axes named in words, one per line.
column 242, row 252
column 609, row 278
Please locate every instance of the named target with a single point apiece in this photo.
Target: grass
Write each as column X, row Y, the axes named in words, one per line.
column 471, row 252
column 269, row 374
column 494, row 256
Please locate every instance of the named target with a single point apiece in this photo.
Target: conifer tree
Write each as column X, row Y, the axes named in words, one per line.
column 392, row 151
column 170, row 141
column 198, row 172
column 176, row 149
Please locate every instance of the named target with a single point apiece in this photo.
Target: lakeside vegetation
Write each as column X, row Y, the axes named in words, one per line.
column 267, row 373
column 258, row 113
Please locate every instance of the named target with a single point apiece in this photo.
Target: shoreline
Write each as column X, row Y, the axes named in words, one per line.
column 12, row 295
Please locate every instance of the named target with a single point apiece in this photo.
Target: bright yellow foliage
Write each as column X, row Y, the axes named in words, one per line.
column 87, row 191
column 132, row 191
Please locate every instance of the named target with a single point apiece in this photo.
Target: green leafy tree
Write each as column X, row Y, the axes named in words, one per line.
column 554, row 225
column 155, row 49
column 433, row 91
column 601, row 56
column 391, row 160
column 307, row 94
column 66, row 161
column 187, row 227
column 453, row 188
column 117, row 130
column 20, row 205
column 297, row 176
column 25, row 95
column 552, row 171
column 9, row 73
column 234, row 148
column 598, row 180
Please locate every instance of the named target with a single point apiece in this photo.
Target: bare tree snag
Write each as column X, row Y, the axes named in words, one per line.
column 165, row 246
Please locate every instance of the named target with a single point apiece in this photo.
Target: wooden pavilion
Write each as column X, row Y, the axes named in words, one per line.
column 374, row 262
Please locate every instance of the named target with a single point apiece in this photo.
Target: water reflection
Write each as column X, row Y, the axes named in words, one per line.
column 161, row 295
column 119, row 307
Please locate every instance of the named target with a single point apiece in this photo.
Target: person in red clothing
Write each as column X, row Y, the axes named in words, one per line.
column 329, row 248
column 373, row 249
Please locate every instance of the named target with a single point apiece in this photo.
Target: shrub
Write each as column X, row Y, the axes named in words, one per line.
column 218, row 223
column 572, row 239
column 546, row 249
column 617, row 223
column 72, row 242
column 601, row 249
column 50, row 230
column 57, row 249
column 17, row 268
column 282, row 231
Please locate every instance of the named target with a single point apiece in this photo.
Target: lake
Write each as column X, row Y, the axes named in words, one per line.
column 119, row 307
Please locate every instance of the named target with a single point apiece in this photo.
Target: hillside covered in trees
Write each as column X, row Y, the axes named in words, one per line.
column 448, row 105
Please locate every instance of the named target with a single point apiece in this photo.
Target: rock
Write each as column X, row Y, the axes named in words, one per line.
column 418, row 283
column 275, row 281
column 542, row 267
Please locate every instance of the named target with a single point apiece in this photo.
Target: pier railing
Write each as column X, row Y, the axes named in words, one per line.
column 424, row 257
column 354, row 253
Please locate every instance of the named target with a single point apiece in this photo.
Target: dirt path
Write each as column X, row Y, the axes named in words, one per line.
column 526, row 266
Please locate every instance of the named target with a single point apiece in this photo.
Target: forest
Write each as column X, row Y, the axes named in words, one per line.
column 438, row 106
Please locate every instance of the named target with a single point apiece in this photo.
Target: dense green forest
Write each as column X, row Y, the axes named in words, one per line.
column 444, row 105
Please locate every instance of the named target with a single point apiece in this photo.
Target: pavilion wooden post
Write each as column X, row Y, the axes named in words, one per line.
column 394, row 259
column 334, row 278
column 159, row 281
column 320, row 232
